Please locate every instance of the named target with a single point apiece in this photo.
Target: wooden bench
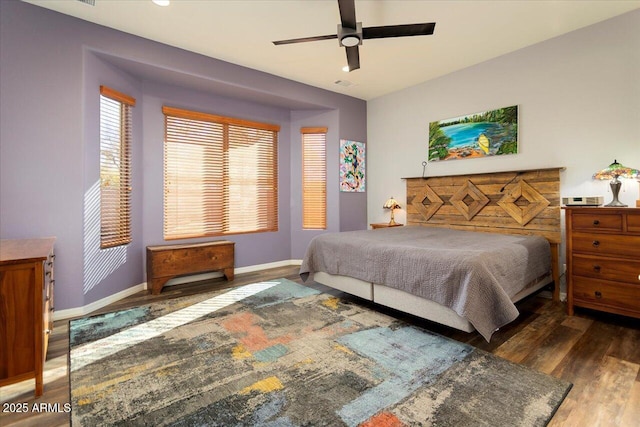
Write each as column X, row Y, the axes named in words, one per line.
column 169, row 261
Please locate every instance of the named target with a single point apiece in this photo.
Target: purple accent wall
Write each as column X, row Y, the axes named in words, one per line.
column 52, row 66
column 353, row 205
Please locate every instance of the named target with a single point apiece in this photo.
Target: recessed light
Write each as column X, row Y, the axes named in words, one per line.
column 161, row 2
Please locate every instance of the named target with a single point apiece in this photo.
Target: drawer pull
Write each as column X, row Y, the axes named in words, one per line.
column 598, row 294
column 47, row 331
column 596, row 222
column 596, row 268
column 596, row 243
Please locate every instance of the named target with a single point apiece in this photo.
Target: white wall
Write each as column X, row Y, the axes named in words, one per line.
column 579, row 107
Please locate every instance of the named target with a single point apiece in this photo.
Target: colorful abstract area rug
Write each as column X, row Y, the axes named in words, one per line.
column 280, row 354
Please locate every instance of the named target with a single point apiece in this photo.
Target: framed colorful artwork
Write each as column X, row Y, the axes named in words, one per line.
column 352, row 166
column 488, row 133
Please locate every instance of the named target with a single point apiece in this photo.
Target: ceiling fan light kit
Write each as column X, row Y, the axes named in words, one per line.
column 349, row 37
column 350, row 33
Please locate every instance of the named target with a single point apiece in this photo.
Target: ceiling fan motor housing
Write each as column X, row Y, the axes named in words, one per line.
column 347, row 37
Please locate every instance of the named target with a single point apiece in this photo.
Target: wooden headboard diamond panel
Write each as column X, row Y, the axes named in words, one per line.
column 516, row 202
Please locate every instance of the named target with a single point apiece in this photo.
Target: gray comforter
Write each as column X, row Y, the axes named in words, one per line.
column 474, row 273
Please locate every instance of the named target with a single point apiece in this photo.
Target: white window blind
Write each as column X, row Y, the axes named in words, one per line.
column 115, row 167
column 314, row 178
column 220, row 175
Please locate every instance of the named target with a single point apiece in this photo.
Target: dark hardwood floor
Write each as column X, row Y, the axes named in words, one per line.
column 597, row 352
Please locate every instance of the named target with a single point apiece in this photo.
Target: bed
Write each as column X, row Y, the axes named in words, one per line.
column 472, row 247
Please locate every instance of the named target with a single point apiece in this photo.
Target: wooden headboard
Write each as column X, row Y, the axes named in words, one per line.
column 515, row 202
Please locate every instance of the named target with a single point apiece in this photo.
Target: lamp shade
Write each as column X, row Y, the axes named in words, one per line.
column 391, row 203
column 616, row 170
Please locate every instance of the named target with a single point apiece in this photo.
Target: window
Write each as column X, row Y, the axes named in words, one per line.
column 115, row 168
column 220, row 175
column 314, row 178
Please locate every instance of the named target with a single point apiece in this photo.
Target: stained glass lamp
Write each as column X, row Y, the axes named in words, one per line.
column 392, row 204
column 613, row 172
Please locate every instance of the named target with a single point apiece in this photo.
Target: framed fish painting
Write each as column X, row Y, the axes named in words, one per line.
column 352, row 166
column 488, row 133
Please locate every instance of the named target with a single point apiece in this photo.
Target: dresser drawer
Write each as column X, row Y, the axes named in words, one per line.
column 597, row 221
column 606, row 294
column 606, row 244
column 621, row 270
column 633, row 223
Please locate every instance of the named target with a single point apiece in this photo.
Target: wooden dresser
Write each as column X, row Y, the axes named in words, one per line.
column 26, row 303
column 603, row 259
column 170, row 261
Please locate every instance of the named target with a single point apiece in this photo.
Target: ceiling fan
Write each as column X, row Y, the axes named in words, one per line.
column 350, row 33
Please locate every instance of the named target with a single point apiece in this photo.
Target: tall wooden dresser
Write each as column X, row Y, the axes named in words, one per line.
column 603, row 259
column 26, row 309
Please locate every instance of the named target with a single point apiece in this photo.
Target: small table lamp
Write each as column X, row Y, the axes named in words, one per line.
column 392, row 204
column 613, row 172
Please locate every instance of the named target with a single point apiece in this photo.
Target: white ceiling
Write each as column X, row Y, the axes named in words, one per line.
column 241, row 31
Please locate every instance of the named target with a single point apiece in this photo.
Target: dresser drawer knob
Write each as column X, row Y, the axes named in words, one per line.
column 596, row 222
column 596, row 243
column 598, row 294
column 596, row 268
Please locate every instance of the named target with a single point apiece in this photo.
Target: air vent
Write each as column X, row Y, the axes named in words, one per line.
column 89, row 2
column 345, row 83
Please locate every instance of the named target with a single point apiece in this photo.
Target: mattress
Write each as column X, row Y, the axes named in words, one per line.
column 475, row 274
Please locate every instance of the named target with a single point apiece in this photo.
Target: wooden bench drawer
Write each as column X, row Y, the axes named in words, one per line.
column 195, row 260
column 169, row 261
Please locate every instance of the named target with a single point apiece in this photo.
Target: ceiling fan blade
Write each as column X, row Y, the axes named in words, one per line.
column 406, row 30
column 347, row 13
column 306, row 39
column 353, row 57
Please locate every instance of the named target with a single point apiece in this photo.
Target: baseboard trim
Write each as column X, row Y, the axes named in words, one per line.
column 96, row 305
column 259, row 267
